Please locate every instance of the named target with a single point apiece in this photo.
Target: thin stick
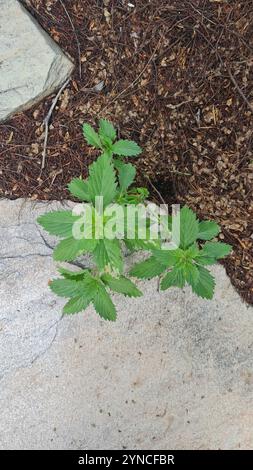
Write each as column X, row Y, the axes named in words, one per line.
column 232, row 78
column 76, row 37
column 46, row 123
column 174, row 106
column 155, row 189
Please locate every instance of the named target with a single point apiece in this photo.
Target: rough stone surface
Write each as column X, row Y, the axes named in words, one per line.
column 173, row 372
column 31, row 64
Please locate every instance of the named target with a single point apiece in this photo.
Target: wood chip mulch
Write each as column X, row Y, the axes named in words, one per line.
column 176, row 76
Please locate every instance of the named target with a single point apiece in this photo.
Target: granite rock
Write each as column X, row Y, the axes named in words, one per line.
column 32, row 66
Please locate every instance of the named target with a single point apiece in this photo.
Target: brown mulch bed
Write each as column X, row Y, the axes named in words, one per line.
column 176, row 76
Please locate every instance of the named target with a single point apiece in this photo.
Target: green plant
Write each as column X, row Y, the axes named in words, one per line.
column 186, row 263
column 111, row 178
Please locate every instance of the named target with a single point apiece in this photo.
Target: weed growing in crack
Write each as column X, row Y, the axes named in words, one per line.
column 112, row 213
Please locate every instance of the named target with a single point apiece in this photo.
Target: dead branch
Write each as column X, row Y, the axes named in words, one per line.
column 47, row 120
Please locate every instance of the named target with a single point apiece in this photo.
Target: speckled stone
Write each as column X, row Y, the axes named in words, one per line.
column 174, row 371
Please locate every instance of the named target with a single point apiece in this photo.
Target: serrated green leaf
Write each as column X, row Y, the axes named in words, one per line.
column 108, row 253
column 147, row 269
column 191, row 274
column 147, row 244
column 91, row 136
column 205, row 286
column 69, row 248
column 76, row 275
column 90, row 286
column 76, row 304
column 134, row 196
column 58, row 222
column 135, row 245
column 106, row 129
column 174, row 278
column 122, row 285
column 167, row 257
column 208, row 230
column 107, row 145
column 215, row 250
column 102, row 180
column 79, row 188
column 107, row 154
column 66, row 287
column 126, row 148
column 193, row 251
column 205, row 260
column 127, row 174
column 188, row 227
column 103, row 304
column 118, row 162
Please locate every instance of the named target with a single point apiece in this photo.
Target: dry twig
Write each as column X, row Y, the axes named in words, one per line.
column 233, row 80
column 47, row 120
column 155, row 189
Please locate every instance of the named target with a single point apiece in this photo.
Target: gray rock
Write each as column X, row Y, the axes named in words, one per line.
column 174, row 371
column 32, row 65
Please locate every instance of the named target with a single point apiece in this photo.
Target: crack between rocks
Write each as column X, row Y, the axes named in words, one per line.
column 29, row 255
column 24, row 239
column 40, row 354
column 73, row 263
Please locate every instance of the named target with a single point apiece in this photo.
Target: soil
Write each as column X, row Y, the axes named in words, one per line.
column 174, row 76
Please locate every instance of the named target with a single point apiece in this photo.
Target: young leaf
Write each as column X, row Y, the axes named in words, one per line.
column 215, row 250
column 173, row 278
column 76, row 304
column 70, row 248
column 91, row 136
column 58, row 222
column 205, row 286
column 188, row 227
column 101, row 181
column 79, row 189
column 208, row 230
column 126, row 148
column 106, row 129
column 103, row 304
column 108, row 253
column 147, row 269
column 66, row 287
column 122, row 285
column 193, row 251
column 127, row 174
